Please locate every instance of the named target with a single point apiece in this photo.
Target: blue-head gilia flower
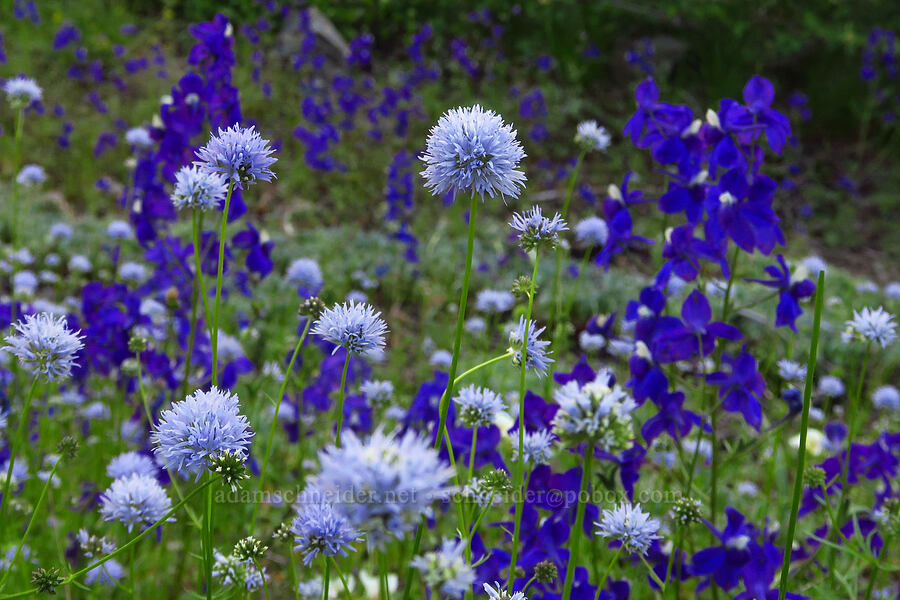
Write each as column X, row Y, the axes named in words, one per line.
column 873, row 325
column 198, row 189
column 134, row 500
column 129, row 463
column 239, row 154
column 306, row 274
column 628, row 524
column 536, row 230
column 478, row 406
column 445, row 570
column 472, row 150
column 494, row 301
column 318, row 529
column 886, row 397
column 538, row 446
column 591, row 136
column 199, row 428
column 22, row 91
column 45, row 346
column 31, row 175
column 598, row 412
column 536, row 357
column 355, row 326
column 592, row 231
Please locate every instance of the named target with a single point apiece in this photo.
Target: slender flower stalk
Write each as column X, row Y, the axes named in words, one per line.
column 578, row 528
column 284, row 383
column 221, row 265
column 804, row 428
column 17, row 163
column 520, row 467
column 198, row 294
column 34, row 514
column 556, row 304
column 340, row 402
column 15, row 446
column 606, row 573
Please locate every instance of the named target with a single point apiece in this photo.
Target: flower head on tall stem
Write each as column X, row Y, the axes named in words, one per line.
column 537, row 358
column 536, row 230
column 478, row 406
column 134, row 500
column 355, row 326
column 22, row 92
column 591, row 136
column 198, row 189
column 239, row 154
column 628, row 524
column 472, row 150
column 445, row 569
column 318, row 529
column 45, row 346
column 873, row 325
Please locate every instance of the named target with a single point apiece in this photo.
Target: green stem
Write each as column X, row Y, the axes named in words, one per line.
column 263, row 577
column 17, row 164
column 327, row 579
column 208, row 539
column 804, row 428
column 480, row 366
column 73, row 576
column 197, row 292
column 472, row 454
column 219, row 271
column 34, row 513
column 577, row 528
column 385, row 584
column 340, row 574
column 454, row 362
column 340, row 402
column 520, row 501
column 556, row 304
column 15, row 445
column 284, row 383
column 131, row 570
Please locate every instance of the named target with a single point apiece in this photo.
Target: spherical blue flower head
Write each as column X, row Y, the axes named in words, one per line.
column 378, row 393
column 892, row 290
column 198, row 189
column 61, row 231
column 384, row 484
column 499, row 592
column 234, row 571
column 887, row 397
column 24, row 283
column 631, row 526
column 598, row 412
column 132, row 272
column 80, row 262
column 872, row 326
column 45, row 346
column 119, row 230
column 591, row 136
column 106, row 574
column 139, row 137
column 472, row 150
column 318, row 529
column 239, row 154
column 309, row 590
column 478, row 406
column 536, row 230
column 494, row 301
column 538, row 447
column 129, row 463
column 441, row 359
column 203, row 425
column 134, row 500
column 445, row 570
column 592, row 231
column 22, row 91
column 355, row 326
column 791, row 371
column 831, row 386
column 306, row 274
column 536, row 357
column 31, row 175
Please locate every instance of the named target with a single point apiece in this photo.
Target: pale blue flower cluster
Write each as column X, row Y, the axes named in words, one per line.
column 384, row 484
column 234, row 571
column 22, row 91
column 791, row 371
column 831, row 386
column 536, row 358
column 872, row 325
column 472, row 150
column 494, row 301
column 592, row 231
column 45, row 346
column 31, row 175
column 598, row 412
column 536, row 230
column 129, row 463
column 132, row 272
column 628, row 524
column 239, row 154
column 445, row 569
column 319, row 529
column 886, row 397
column 60, row 231
column 357, row 327
column 119, row 230
column 139, row 137
column 203, row 425
column 134, row 500
column 478, row 406
column 378, row 393
column 538, row 446
column 591, row 136
column 305, row 272
column 198, row 189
